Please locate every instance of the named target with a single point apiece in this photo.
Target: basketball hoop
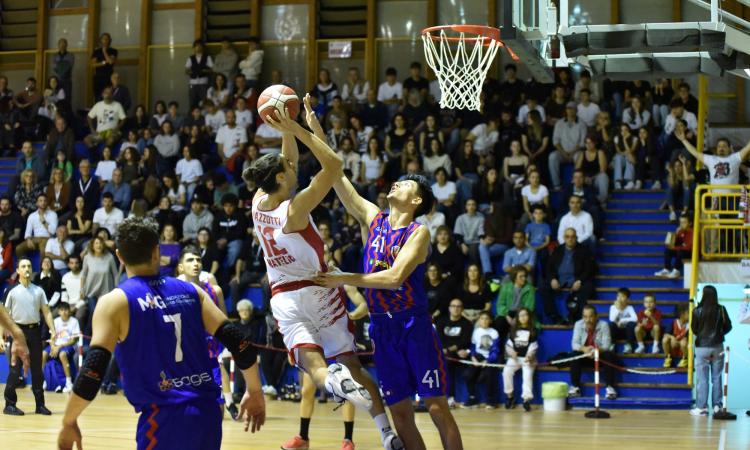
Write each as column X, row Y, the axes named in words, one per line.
column 460, row 70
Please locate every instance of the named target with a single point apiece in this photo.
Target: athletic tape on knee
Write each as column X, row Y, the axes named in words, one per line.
column 90, row 378
column 243, row 351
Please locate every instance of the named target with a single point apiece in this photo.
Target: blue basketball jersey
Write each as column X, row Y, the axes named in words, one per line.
column 164, row 359
column 381, row 249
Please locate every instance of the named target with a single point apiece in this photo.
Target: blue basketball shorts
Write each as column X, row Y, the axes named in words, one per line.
column 408, row 357
column 70, row 350
column 187, row 426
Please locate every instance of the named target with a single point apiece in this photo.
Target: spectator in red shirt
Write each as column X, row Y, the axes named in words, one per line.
column 649, row 323
column 680, row 249
column 675, row 344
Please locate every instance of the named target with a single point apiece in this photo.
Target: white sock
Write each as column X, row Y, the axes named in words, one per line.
column 68, row 381
column 228, row 398
column 381, row 421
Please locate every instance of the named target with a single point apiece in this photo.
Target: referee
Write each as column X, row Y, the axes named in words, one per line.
column 26, row 303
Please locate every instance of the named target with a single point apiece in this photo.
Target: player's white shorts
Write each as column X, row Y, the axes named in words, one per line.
column 314, row 317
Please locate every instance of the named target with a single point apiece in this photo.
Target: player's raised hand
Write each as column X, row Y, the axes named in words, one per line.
column 310, row 117
column 69, row 434
column 332, row 279
column 254, row 405
column 282, row 122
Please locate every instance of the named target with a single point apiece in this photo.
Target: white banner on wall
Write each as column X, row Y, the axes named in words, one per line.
column 340, row 49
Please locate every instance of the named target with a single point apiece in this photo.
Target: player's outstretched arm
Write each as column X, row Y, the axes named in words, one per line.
column 289, row 149
column 245, row 357
column 359, row 301
column 413, row 253
column 312, row 120
column 108, row 325
column 355, row 204
column 19, row 349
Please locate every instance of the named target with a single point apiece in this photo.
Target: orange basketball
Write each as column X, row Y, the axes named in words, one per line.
column 275, row 98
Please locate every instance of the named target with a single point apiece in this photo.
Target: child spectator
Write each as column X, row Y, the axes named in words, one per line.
column 538, row 235
column 675, row 343
column 520, row 350
column 679, row 249
column 485, row 348
column 649, row 323
column 623, row 319
column 63, row 347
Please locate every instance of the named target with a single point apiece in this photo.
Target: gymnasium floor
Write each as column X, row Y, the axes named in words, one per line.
column 109, row 423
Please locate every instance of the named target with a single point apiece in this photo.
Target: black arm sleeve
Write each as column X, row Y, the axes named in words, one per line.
column 90, row 378
column 240, row 345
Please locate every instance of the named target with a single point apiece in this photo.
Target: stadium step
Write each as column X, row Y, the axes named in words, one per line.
column 630, row 246
column 639, row 225
column 628, row 269
column 645, row 281
column 636, row 214
column 634, row 235
column 642, row 194
column 632, row 258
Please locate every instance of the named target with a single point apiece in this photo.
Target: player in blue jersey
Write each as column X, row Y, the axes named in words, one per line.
column 190, row 268
column 408, row 354
column 157, row 328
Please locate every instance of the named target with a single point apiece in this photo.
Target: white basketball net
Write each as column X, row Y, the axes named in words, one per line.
column 460, row 74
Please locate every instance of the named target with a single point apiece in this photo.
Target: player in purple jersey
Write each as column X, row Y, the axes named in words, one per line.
column 408, row 354
column 157, row 327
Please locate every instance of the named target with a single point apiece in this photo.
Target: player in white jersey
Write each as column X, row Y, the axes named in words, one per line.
column 312, row 319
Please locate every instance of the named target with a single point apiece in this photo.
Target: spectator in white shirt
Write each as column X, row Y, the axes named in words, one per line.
column 391, row 92
column 268, row 139
column 568, row 138
column 579, row 220
column 587, row 110
column 189, row 171
column 105, row 167
column 106, row 118
column 167, row 145
column 635, row 116
column 198, row 68
column 59, row 248
column 107, row 216
column 71, row 283
column 432, row 220
column 531, row 105
column 40, row 226
column 585, row 82
column 677, row 112
column 231, row 140
column 214, row 117
column 243, row 116
column 252, row 65
column 484, row 136
column 354, row 90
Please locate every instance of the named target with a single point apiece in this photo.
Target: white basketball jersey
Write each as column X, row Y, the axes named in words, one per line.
column 289, row 257
column 203, row 277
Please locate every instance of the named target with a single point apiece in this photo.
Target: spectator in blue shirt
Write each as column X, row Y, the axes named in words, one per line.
column 120, row 191
column 539, row 235
column 520, row 255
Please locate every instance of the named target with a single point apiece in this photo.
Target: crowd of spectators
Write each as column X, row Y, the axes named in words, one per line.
column 506, row 224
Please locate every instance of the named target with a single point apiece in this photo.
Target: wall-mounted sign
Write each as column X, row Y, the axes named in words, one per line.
column 340, row 49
